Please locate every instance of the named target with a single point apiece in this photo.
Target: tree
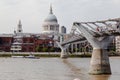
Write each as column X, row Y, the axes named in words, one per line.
column 38, row 48
column 52, row 49
column 44, row 49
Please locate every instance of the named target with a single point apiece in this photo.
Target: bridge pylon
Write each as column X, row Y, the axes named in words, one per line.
column 99, row 63
column 63, row 55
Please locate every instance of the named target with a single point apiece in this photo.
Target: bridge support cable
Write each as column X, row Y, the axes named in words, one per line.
column 100, row 61
column 95, row 30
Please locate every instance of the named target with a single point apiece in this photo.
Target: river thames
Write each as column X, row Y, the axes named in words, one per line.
column 53, row 69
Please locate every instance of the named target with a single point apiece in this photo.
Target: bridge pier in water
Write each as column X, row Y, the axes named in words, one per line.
column 63, row 54
column 99, row 63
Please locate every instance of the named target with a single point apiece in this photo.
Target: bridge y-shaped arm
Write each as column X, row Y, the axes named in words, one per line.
column 93, row 40
column 95, row 30
column 87, row 34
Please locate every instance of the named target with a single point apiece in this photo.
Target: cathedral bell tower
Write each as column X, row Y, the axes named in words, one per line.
column 19, row 28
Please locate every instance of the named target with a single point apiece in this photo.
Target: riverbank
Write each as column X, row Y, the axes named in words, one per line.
column 45, row 54
column 41, row 54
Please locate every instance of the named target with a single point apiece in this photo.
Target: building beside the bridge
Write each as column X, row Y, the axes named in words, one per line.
column 118, row 44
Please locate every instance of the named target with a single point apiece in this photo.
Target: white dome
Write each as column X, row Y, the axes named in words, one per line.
column 51, row 18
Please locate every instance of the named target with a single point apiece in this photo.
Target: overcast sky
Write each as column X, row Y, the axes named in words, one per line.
column 33, row 12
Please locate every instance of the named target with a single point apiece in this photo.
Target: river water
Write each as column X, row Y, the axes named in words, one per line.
column 53, row 69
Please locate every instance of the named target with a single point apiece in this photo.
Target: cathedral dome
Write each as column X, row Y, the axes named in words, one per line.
column 51, row 18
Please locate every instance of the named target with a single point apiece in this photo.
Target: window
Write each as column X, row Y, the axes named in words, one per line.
column 57, row 28
column 51, row 27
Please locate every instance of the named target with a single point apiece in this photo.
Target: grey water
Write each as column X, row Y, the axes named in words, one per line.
column 53, row 69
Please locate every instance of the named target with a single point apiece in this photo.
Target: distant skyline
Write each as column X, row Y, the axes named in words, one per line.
column 33, row 12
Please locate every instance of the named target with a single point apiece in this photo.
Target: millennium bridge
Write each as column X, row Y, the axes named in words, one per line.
column 99, row 34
